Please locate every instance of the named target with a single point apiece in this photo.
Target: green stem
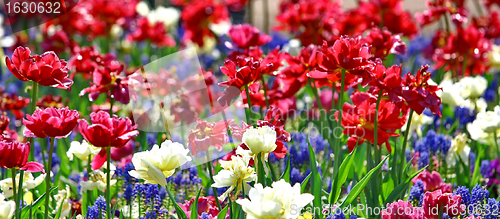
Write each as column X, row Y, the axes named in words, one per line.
column 405, row 141
column 210, row 172
column 20, row 189
column 48, row 178
column 378, row 153
column 261, row 177
column 496, row 143
column 337, row 152
column 108, row 180
column 265, row 91
column 16, row 200
column 32, row 107
column 249, row 111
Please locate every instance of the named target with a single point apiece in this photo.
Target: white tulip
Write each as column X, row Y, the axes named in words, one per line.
column 261, row 140
column 236, row 173
column 449, row 94
column 472, row 87
column 97, row 179
column 62, row 199
column 417, row 122
column 155, row 165
column 281, row 201
column 459, row 150
column 82, row 150
column 7, row 208
column 29, row 182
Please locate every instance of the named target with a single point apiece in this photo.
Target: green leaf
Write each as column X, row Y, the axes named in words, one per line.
column 286, row 173
column 194, row 206
column 361, row 184
column 316, row 182
column 304, row 182
column 401, row 188
column 35, row 205
column 340, row 177
column 223, row 213
column 180, row 213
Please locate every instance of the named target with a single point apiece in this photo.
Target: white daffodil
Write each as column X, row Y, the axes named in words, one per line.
column 281, row 201
column 417, row 122
column 449, row 94
column 168, row 16
column 155, row 165
column 97, row 179
column 7, row 208
column 236, row 173
column 477, row 133
column 459, row 150
column 82, row 150
column 489, row 121
column 472, row 87
column 29, row 182
column 494, row 57
column 62, row 199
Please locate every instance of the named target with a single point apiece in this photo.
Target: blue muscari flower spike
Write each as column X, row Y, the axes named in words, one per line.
column 99, row 207
column 444, row 143
column 490, row 93
column 337, row 215
column 432, row 141
column 204, row 215
column 151, row 139
column 128, row 193
column 408, row 155
column 472, row 161
column 423, row 160
column 492, row 208
column 485, row 169
column 353, row 217
column 464, row 115
column 417, row 191
column 465, row 194
column 479, row 195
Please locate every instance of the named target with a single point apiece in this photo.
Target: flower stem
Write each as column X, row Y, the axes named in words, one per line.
column 265, row 91
column 48, row 178
column 405, row 141
column 337, row 150
column 16, row 210
column 496, row 143
column 32, row 107
column 108, row 185
column 19, row 198
column 210, row 172
column 378, row 154
column 249, row 110
column 261, row 178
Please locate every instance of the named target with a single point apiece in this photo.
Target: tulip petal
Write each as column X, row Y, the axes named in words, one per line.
column 33, row 167
column 99, row 159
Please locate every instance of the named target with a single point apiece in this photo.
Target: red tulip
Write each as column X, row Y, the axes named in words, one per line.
column 51, row 101
column 14, row 104
column 51, row 122
column 156, row 33
column 432, row 181
column 358, row 120
column 419, row 94
column 208, row 134
column 402, row 210
column 106, row 131
column 197, row 15
column 118, row 153
column 46, row 69
column 246, row 36
column 15, row 155
column 349, row 54
column 106, row 80
column 434, row 201
column 384, row 43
